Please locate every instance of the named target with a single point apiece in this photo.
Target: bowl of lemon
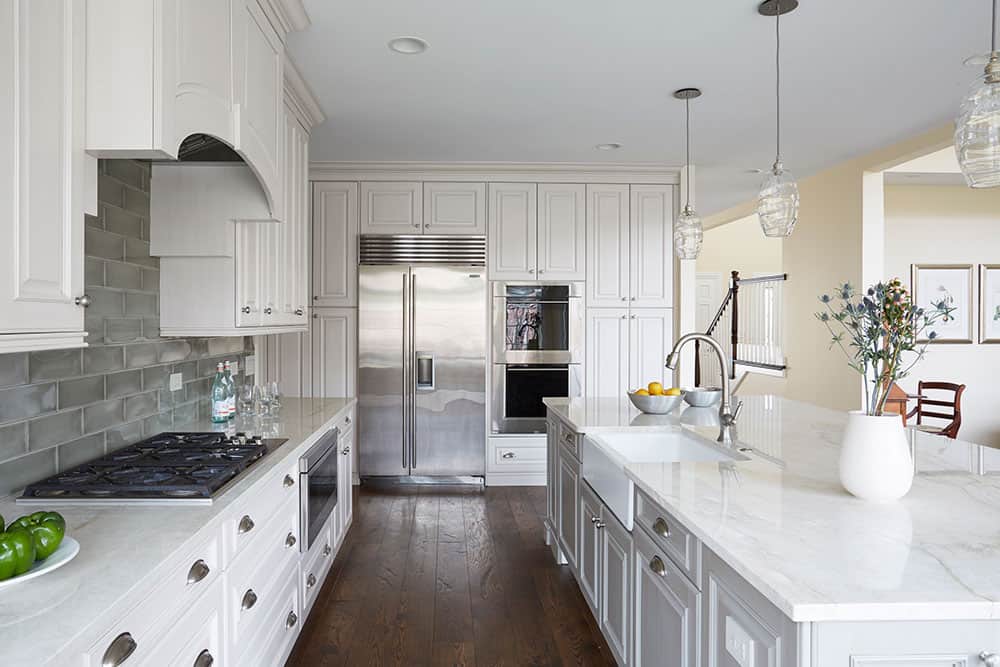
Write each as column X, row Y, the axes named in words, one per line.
column 655, row 400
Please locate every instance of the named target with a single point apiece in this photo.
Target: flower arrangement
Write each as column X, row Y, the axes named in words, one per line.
column 877, row 330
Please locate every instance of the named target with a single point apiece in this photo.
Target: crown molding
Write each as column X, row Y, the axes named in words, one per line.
column 286, row 15
column 300, row 97
column 531, row 172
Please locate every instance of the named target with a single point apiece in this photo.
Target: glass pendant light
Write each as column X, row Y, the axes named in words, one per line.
column 977, row 127
column 778, row 200
column 687, row 230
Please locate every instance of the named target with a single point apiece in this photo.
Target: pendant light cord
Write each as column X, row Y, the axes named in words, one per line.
column 687, row 149
column 993, row 31
column 777, row 80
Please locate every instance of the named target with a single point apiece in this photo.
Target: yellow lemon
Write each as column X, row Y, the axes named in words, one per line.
column 673, row 391
column 655, row 389
column 641, row 392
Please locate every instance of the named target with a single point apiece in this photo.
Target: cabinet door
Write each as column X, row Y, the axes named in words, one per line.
column 650, row 341
column 334, row 352
column 607, row 351
column 455, row 208
column 651, row 274
column 294, row 257
column 513, row 219
column 42, row 168
column 344, row 488
column 551, row 471
column 562, row 232
column 589, row 566
column 607, row 245
column 196, row 69
column 289, row 363
column 248, row 276
column 666, row 610
column 259, row 85
column 391, row 208
column 569, row 502
column 272, row 271
column 616, row 585
column 335, row 244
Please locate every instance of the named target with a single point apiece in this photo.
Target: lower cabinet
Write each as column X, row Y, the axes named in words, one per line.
column 589, row 565
column 616, row 585
column 567, row 502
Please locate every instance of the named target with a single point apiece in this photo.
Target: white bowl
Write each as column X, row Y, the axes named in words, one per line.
column 703, row 397
column 654, row 405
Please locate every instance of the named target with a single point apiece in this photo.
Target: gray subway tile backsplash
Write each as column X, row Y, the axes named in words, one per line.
column 61, row 408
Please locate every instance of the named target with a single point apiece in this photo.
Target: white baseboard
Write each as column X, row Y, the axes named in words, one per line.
column 515, row 479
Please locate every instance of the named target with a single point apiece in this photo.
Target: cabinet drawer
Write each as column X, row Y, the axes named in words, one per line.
column 197, row 631
column 278, row 627
column 516, row 455
column 669, row 535
column 315, row 566
column 143, row 625
column 251, row 582
column 569, row 439
column 246, row 519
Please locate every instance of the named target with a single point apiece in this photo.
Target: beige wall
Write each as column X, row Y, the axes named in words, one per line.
column 950, row 225
column 824, row 250
column 739, row 246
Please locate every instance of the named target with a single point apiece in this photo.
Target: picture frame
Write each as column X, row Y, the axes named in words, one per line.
column 989, row 303
column 953, row 282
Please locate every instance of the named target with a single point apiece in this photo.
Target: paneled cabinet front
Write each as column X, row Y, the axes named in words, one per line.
column 454, row 208
column 335, row 244
column 513, row 225
column 334, row 334
column 627, row 348
column 391, row 208
column 43, row 172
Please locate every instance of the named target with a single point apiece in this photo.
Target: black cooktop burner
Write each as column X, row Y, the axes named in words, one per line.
column 165, row 466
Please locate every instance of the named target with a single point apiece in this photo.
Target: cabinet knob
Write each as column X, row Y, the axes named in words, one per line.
column 246, row 524
column 657, row 566
column 83, row 300
column 600, row 524
column 989, row 659
column 327, row 550
column 541, row 271
column 245, row 310
column 347, row 450
column 660, row 527
column 624, row 317
column 299, row 311
column 632, row 316
column 632, row 299
column 267, row 311
column 249, row 600
column 311, row 580
column 291, row 620
column 316, row 298
column 624, row 298
column 119, row 650
column 288, row 482
column 594, row 519
column 204, row 659
column 531, row 270
column 509, row 455
column 198, row 572
column 290, row 541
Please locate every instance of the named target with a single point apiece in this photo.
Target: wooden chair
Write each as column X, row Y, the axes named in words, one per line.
column 950, row 410
column 897, row 401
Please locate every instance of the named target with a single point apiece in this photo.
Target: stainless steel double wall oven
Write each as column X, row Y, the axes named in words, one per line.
column 537, row 351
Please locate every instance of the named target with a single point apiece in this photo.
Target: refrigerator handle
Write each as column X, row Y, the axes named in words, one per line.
column 425, row 371
column 406, row 365
column 411, row 390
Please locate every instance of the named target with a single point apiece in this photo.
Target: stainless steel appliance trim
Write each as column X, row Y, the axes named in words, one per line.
column 411, row 390
column 500, row 286
column 325, row 447
column 500, row 424
column 406, row 362
column 573, row 355
column 422, row 249
column 318, row 452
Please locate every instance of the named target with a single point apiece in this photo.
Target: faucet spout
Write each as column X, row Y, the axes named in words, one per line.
column 727, row 416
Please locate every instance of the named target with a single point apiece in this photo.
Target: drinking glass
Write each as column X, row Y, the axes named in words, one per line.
column 259, row 403
column 275, row 392
column 246, row 401
column 266, row 401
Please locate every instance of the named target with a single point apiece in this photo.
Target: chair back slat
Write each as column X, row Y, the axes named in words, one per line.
column 954, row 419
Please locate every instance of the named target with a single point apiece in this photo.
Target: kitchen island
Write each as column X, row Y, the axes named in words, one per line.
column 783, row 567
column 138, row 571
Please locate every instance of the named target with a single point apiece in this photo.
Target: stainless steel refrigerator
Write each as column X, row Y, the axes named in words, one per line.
column 422, row 358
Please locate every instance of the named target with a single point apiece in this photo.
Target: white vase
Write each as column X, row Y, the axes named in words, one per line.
column 875, row 462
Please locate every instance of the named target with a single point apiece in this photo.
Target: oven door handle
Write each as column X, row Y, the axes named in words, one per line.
column 511, row 369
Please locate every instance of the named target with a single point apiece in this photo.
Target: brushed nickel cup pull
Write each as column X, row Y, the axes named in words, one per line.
column 204, row 659
column 299, row 311
column 661, row 528
column 288, row 482
column 311, row 580
column 290, row 541
column 119, row 650
column 291, row 620
column 249, row 600
column 83, row 301
column 246, row 524
column 657, row 566
column 198, row 572
column 509, row 455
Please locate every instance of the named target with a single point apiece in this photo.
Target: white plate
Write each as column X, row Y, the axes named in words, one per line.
column 66, row 552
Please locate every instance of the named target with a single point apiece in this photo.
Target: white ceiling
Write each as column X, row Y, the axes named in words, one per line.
column 529, row 81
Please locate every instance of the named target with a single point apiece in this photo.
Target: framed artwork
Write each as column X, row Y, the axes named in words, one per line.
column 989, row 303
column 930, row 283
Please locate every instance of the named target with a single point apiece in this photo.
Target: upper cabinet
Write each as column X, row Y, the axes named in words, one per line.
column 630, row 239
column 513, row 223
column 391, row 208
column 158, row 71
column 335, row 244
column 45, row 177
column 562, row 237
column 455, row 208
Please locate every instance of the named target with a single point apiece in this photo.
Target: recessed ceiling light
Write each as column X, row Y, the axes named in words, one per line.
column 409, row 46
column 608, row 147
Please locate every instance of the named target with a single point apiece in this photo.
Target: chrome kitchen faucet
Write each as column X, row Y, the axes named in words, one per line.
column 727, row 416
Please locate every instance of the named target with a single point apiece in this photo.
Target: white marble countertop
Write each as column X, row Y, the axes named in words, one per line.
column 121, row 546
column 819, row 554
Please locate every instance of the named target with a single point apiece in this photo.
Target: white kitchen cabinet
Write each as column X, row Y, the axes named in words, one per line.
column 335, row 244
column 391, row 208
column 345, row 490
column 629, row 233
column 589, row 565
column 288, row 357
column 562, row 232
column 513, row 228
column 454, row 208
column 257, row 285
column 667, row 609
column 293, row 261
column 334, row 358
column 627, row 348
column 43, row 174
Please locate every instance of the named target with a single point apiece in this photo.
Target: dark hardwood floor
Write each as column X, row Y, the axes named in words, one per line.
column 435, row 575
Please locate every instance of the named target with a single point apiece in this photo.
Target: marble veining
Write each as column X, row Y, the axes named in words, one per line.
column 123, row 548
column 785, row 524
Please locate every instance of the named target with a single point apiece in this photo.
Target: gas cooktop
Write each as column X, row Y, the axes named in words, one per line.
column 166, row 468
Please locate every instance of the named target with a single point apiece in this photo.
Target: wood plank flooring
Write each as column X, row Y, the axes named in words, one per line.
column 449, row 576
